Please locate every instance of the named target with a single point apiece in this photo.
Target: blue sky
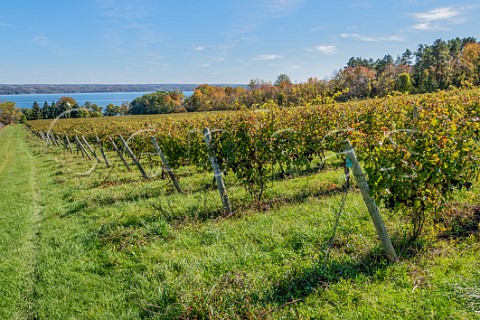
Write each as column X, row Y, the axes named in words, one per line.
column 213, row 41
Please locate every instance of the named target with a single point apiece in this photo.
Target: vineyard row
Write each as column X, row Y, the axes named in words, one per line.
column 414, row 149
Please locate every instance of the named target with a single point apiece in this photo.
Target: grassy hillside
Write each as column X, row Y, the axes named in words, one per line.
column 82, row 241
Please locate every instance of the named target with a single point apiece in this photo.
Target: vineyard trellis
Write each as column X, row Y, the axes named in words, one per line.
column 414, row 149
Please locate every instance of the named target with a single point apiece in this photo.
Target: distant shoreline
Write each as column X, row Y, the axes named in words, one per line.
column 13, row 89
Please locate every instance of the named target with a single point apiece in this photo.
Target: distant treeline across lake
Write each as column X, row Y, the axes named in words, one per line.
column 101, row 99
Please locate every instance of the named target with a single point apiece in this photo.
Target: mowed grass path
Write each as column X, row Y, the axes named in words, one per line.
column 19, row 219
column 48, row 263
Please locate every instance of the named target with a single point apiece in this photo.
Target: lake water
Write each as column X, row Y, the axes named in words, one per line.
column 101, row 99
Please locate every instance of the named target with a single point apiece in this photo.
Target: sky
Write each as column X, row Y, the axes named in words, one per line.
column 213, row 41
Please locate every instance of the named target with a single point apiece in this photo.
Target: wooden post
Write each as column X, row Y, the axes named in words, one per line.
column 139, row 166
column 114, row 145
column 77, row 148
column 218, row 174
column 64, row 142
column 100, row 146
column 52, row 138
column 45, row 137
column 57, row 137
column 42, row 136
column 91, row 149
column 82, row 148
column 372, row 207
column 68, row 143
column 167, row 166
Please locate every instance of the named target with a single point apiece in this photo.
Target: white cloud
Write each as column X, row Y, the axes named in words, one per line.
column 427, row 26
column 199, row 48
column 360, row 37
column 437, row 14
column 263, row 57
column 436, row 19
column 326, row 49
column 422, row 26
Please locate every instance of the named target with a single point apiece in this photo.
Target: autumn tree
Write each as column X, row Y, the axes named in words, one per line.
column 64, row 105
column 470, row 65
column 9, row 113
column 157, row 103
column 357, row 82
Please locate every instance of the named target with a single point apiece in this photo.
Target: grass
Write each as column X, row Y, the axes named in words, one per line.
column 20, row 207
column 106, row 244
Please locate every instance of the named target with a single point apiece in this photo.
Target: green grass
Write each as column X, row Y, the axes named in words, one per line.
column 109, row 245
column 20, row 208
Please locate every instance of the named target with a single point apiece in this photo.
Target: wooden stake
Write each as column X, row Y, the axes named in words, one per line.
column 42, row 136
column 167, row 166
column 52, row 138
column 137, row 163
column 371, row 205
column 114, row 145
column 64, row 142
column 100, row 146
column 46, row 138
column 134, row 159
column 77, row 148
column 91, row 149
column 218, row 174
column 82, row 148
column 68, row 143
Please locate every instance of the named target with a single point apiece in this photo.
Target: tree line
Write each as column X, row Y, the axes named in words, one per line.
column 66, row 107
column 439, row 66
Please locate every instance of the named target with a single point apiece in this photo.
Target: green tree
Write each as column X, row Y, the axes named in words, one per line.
column 441, row 58
column 36, row 111
column 93, row 109
column 423, row 71
column 52, row 111
column 112, row 110
column 45, row 110
column 382, row 65
column 282, row 79
column 403, row 83
column 28, row 113
column 407, row 58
